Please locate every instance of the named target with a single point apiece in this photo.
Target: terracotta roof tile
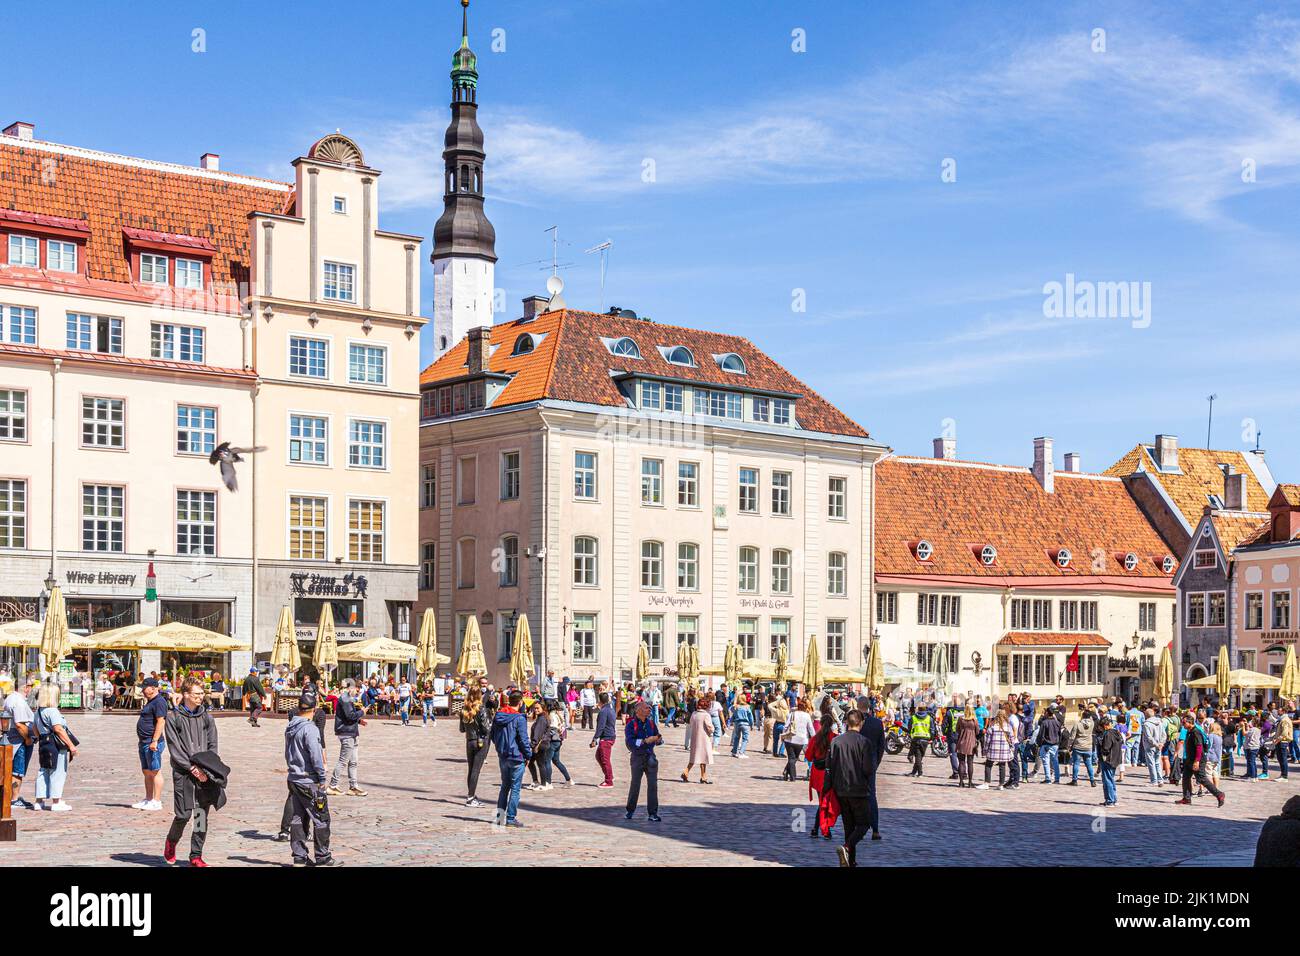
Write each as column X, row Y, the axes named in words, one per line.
column 1235, row 527
column 1290, row 494
column 1051, row 639
column 1200, row 477
column 99, row 358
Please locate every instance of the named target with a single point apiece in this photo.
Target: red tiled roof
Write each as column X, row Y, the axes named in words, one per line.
column 1199, row 475
column 572, row 363
column 959, row 507
column 1233, row 528
column 168, row 238
column 1049, row 639
column 36, row 219
column 1286, row 494
column 98, row 358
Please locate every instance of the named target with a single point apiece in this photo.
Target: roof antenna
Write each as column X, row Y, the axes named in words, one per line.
column 1210, row 422
column 603, row 249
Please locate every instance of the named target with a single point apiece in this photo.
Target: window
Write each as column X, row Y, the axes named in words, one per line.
column 365, row 531
column 196, row 522
column 1196, row 610
column 509, row 574
column 950, row 610
column 13, row 513
column 1205, row 559
column 688, row 567
column 747, row 570
column 780, row 411
column 1254, row 611
column 308, row 441
column 466, row 556
column 652, row 564
column 428, row 486
column 778, row 635
column 1130, row 561
column 341, row 205
column 1044, row 668
column 1078, row 615
column 749, row 490
column 24, row 251
column 307, row 528
column 103, row 517
column 674, row 398
column 94, row 333
column 988, row 555
column 886, row 607
column 508, row 623
column 762, row 409
column 923, row 550
column 366, row 442
column 732, row 363
column 103, row 422
column 747, row 636
column 681, row 355
column 688, row 629
column 1217, row 609
column 428, row 566
column 584, row 561
column 18, row 324
column 196, row 429
column 688, row 484
column 60, row 256
column 836, row 498
column 1281, row 610
column 781, row 493
column 1063, row 558
column 477, row 394
column 13, row 415
column 837, row 565
column 523, row 345
column 652, row 636
column 584, row 637
column 1147, row 616
column 153, row 269
column 177, row 343
column 927, row 609
column 652, row 481
column 584, row 476
column 307, row 357
column 626, row 348
column 1031, row 614
column 651, row 395
column 339, row 282
column 938, row 610
column 466, row 480
column 835, row 641
column 1004, row 669
column 189, row 274
column 717, row 404
column 509, row 476
column 367, row 364
column 780, row 571
column 1246, row 660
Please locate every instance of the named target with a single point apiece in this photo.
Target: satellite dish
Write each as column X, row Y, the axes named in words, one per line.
column 554, row 285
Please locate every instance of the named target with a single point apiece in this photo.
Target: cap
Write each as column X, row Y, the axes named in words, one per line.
column 252, row 670
column 307, row 701
column 150, row 682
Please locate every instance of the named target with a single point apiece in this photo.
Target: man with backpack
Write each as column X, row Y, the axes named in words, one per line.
column 1195, row 751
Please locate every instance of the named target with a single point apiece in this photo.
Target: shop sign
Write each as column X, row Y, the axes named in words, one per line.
column 310, row 584
column 1148, row 643
column 1280, row 637
column 774, row 604
column 340, row 633
column 1122, row 665
column 670, row 600
column 100, row 577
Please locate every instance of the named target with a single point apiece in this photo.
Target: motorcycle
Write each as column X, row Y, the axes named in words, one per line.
column 897, row 740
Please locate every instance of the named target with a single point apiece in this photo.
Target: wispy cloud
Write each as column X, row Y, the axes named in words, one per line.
column 955, row 370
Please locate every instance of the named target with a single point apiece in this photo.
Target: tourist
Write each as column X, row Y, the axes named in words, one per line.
column 1281, row 739
column 1081, row 748
column 558, row 716
column 306, row 778
column 587, row 699
column 404, row 700
column 1154, row 738
column 510, row 737
column 217, row 691
column 851, row 771
column 981, row 717
column 1195, row 751
column 55, row 749
column 1110, row 751
column 349, row 718
column 539, row 736
column 780, row 710
column 1251, row 744
column 1214, row 758
column 964, row 742
column 151, row 743
column 476, row 725
column 196, row 789
column 998, row 748
column 547, row 687
column 798, row 732
column 920, row 727
column 654, row 696
column 104, row 690
column 603, row 740
column 671, row 699
column 700, row 734
column 1049, row 744
column 642, row 736
column 742, row 719
column 20, row 735
column 718, row 713
column 828, row 804
column 427, row 712
column 253, row 694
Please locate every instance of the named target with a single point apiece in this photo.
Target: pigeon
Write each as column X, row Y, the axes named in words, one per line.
column 225, row 457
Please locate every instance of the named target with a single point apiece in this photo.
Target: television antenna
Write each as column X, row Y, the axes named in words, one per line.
column 603, row 249
column 1210, row 422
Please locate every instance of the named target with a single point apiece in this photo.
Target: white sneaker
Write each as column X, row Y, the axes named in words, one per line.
column 982, row 786
column 743, row 756
column 572, row 782
column 59, row 807
column 152, row 805
column 142, row 805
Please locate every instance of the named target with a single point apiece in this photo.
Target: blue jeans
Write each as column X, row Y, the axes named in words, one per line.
column 778, row 745
column 1131, row 748
column 555, row 760
column 739, row 738
column 426, row 711
column 1022, row 755
column 406, row 710
column 512, row 778
column 1089, row 761
column 1108, row 783
column 1295, row 744
column 1153, row 764
column 1251, row 769
column 669, row 714
column 1048, row 755
column 717, row 730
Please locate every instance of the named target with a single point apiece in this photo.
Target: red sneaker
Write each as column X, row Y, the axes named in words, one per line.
column 1184, row 802
column 197, row 861
column 1221, row 799
column 604, row 786
column 169, row 851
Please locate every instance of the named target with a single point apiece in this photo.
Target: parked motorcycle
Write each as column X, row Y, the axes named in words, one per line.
column 897, row 740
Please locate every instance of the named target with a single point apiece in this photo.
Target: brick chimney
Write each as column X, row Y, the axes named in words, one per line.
column 945, row 448
column 210, row 161
column 1072, row 462
column 534, row 305
column 1234, row 490
column 20, row 130
column 1167, row 452
column 1044, row 466
column 480, row 341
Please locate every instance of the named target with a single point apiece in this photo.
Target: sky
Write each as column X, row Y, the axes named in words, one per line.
column 879, row 194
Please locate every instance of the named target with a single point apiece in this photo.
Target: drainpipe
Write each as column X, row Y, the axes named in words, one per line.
column 54, row 459
column 252, row 637
column 542, row 568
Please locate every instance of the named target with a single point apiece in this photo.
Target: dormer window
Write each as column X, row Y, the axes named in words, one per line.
column 154, row 269
column 626, row 348
column 988, row 556
column 189, row 274
column 924, row 550
column 1130, row 561
column 680, row 355
column 60, row 256
column 1167, row 565
column 24, row 251
column 1063, row 558
column 731, row 362
column 523, row 345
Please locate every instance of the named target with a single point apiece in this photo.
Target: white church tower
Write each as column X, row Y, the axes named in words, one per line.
column 464, row 242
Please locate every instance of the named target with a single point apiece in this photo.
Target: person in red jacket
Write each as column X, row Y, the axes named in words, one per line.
column 828, row 805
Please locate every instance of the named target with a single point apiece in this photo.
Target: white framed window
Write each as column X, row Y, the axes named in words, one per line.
column 1031, row 614
column 1196, row 610
column 509, row 475
column 732, row 362
column 60, row 256
column 652, row 481
column 189, row 274
column 1147, row 615
column 837, row 498
column 466, row 480
column 688, row 629
column 13, row 513
column 367, row 364
column 837, row 570
column 688, row 484
column 340, row 282
column 18, row 324
column 781, row 493
column 466, row 559
column 747, row 636
column 584, row 475
column 886, row 607
column 94, row 333
column 748, row 480
column 780, row 571
column 1281, row 610
column 340, row 205
column 13, row 415
column 307, row 527
column 652, row 565
column 718, row 404
column 835, row 640
column 196, row 429
column 309, row 439
column 950, row 610
column 103, row 422
column 651, row 395
column 688, row 567
column 308, row 357
column 1205, row 559
column 196, row 522
column 778, row 635
column 154, row 269
column 747, row 570
column 1254, row 610
column 428, row 566
column 365, row 530
column 781, row 411
column 428, row 486
column 762, row 409
column 103, row 518
column 584, row 561
column 652, row 636
column 1216, row 609
column 367, row 443
column 681, row 355
column 509, row 574
column 24, row 251
column 584, row 638
column 625, row 348
column 176, row 343
column 674, row 398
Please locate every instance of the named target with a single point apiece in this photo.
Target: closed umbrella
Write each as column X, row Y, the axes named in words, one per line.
column 782, row 672
column 812, row 667
column 683, row 661
column 471, row 660
column 1165, row 676
column 875, row 676
column 642, row 663
column 939, row 667
column 325, row 655
column 285, row 650
column 427, row 657
column 1223, row 677
column 1290, row 679
column 521, row 654
column 56, row 640
column 732, row 663
column 695, row 663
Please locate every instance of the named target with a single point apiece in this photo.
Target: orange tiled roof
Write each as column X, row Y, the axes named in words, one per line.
column 1050, row 639
column 571, row 363
column 1200, row 477
column 112, row 193
column 1290, row 494
column 100, row 358
column 1234, row 527
column 959, row 507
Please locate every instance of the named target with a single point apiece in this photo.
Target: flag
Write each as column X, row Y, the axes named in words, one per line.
column 1072, row 665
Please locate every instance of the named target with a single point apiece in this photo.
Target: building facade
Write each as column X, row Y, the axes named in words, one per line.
column 1265, row 578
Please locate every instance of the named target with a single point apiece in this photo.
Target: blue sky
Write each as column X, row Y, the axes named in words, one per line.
column 819, row 171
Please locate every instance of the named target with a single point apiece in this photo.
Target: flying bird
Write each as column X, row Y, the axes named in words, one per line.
column 225, row 457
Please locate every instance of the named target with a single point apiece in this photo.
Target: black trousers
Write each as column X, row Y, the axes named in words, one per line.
column 919, row 746
column 792, row 752
column 1202, row 777
column 189, row 802
column 311, row 813
column 254, row 709
column 965, row 768
column 644, row 764
column 586, row 717
column 476, row 751
column 857, row 816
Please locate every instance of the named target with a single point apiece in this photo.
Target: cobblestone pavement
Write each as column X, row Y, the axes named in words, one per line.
column 414, row 812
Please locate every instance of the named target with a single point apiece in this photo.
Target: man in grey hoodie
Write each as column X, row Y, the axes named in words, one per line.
column 311, row 810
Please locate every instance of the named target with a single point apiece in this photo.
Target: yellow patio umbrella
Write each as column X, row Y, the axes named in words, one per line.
column 683, row 661
column 381, row 649
column 1164, row 688
column 1241, row 677
column 732, row 663
column 812, row 667
column 471, row 660
column 781, row 673
column 427, row 657
column 1290, row 679
column 521, row 654
column 325, row 655
column 1222, row 677
column 833, row 673
column 56, row 640
column 642, row 663
column 285, row 650
column 756, row 668
column 875, row 675
column 172, row 636
column 695, row 662
column 21, row 633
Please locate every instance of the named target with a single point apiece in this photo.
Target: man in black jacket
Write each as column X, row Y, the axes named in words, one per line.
column 348, row 720
column 851, row 772
column 254, row 691
column 191, row 731
column 873, row 728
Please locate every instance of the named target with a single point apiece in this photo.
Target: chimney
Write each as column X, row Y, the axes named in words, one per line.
column 1167, row 452
column 479, row 345
column 1043, row 464
column 20, row 130
column 534, row 305
column 210, row 161
column 1072, row 462
column 1234, row 490
column 945, row 448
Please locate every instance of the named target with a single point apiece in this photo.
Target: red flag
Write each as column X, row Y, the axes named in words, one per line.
column 1072, row 665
